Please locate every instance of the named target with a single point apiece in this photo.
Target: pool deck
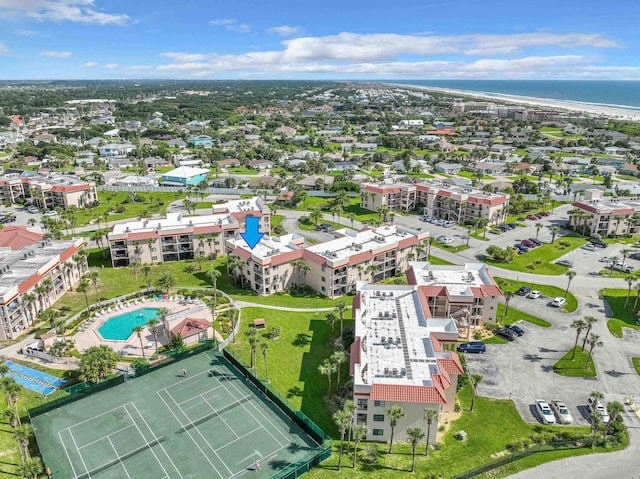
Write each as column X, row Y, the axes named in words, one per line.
column 131, row 346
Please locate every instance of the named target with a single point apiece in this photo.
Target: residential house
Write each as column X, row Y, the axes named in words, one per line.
column 115, row 150
column 617, row 163
column 45, row 138
column 261, row 164
column 286, row 131
column 448, row 168
column 176, row 143
column 184, row 176
column 629, row 169
column 201, row 140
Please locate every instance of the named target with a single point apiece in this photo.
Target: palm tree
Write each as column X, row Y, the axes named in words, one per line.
column 338, row 358
column 327, row 368
column 590, row 320
column 14, row 412
column 29, row 300
column 145, row 269
column 341, row 307
column 579, row 325
column 83, row 287
column 538, row 226
column 93, row 277
column 359, row 433
column 625, row 252
column 352, row 217
column 342, row 419
column 596, row 420
column 152, row 324
column 554, row 232
column 31, row 468
column 570, row 274
column 253, row 341
column 414, row 435
column 630, row 280
column 430, row 415
column 214, row 274
column 165, row 282
column 635, row 303
column 508, row 295
column 615, row 409
column 264, row 347
column 11, row 389
column 331, row 319
column 22, row 435
column 138, row 330
column 592, row 341
column 396, row 413
column 315, row 214
column 476, row 379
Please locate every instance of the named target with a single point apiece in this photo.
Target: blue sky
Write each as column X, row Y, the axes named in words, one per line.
column 347, row 39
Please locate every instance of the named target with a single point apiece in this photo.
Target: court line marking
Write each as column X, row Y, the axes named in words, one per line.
column 201, row 394
column 94, row 417
column 200, row 434
column 145, row 441
column 219, row 415
column 156, row 439
column 79, row 454
column 188, row 433
column 73, row 469
column 261, row 413
column 118, row 457
column 105, row 437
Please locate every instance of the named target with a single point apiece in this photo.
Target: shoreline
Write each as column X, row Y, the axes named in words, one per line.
column 614, row 112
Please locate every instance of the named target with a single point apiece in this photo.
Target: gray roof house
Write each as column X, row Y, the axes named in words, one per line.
column 448, row 168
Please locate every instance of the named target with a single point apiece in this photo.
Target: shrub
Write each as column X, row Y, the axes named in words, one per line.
column 370, row 454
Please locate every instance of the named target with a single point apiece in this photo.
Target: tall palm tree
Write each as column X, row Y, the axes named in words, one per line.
column 14, row 412
column 590, row 320
column 592, row 341
column 341, row 307
column 29, row 300
column 635, row 303
column 430, row 415
column 414, row 435
column 328, row 368
column 342, row 419
column 338, row 358
column 331, row 319
column 579, row 325
column 508, row 295
column 135, row 269
column 253, row 342
column 11, row 389
column 214, row 274
column 359, row 433
column 145, row 269
column 162, row 317
column 538, row 226
column 93, row 277
column 625, row 253
column 165, row 282
column 83, row 287
column 476, row 379
column 630, row 281
column 152, row 324
column 23, row 434
column 396, row 413
column 31, row 468
column 264, row 347
column 554, row 232
column 138, row 330
column 614, row 409
column 596, row 420
column 570, row 274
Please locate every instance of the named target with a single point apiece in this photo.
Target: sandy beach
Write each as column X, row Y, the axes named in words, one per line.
column 618, row 113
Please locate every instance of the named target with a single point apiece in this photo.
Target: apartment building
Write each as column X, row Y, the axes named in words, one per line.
column 34, row 277
column 332, row 268
column 47, row 191
column 456, row 203
column 180, row 237
column 605, row 216
column 398, row 358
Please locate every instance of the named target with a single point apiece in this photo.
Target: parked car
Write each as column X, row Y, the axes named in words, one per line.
column 623, row 268
column 32, row 209
column 512, row 225
column 605, row 259
column 536, row 241
column 472, row 347
column 440, row 238
column 565, row 262
column 524, row 290
column 596, row 405
column 529, row 244
column 543, row 213
column 506, row 334
column 599, row 243
column 51, row 213
column 534, row 294
column 635, row 256
column 425, row 218
column 562, row 412
column 521, row 247
column 516, row 329
column 588, row 247
column 445, row 240
column 558, row 302
column 448, row 224
column 545, row 412
column 532, row 217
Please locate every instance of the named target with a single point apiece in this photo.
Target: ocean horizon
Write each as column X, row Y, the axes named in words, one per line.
column 620, row 94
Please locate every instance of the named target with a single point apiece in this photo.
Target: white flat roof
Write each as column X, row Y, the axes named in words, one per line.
column 269, row 245
column 395, row 337
column 457, row 279
column 173, row 220
column 185, row 172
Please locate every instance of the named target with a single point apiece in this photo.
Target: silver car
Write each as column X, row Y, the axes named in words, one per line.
column 562, row 412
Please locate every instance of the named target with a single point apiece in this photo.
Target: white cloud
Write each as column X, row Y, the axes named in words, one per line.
column 111, row 65
column 285, row 30
column 3, row 49
column 184, row 57
column 83, row 11
column 54, row 54
column 90, row 64
column 139, row 67
column 26, row 33
column 230, row 24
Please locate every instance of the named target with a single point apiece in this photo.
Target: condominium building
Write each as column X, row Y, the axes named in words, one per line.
column 398, row 358
column 33, row 277
column 180, row 237
column 333, row 267
column 434, row 198
column 47, row 191
column 605, row 216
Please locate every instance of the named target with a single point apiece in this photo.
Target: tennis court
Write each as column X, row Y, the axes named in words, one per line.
column 210, row 424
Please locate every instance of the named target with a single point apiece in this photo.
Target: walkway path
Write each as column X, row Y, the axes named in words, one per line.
column 246, row 304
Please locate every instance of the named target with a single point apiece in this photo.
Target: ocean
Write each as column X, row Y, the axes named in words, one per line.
column 621, row 94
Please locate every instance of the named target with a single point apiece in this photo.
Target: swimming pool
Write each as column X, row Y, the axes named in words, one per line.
column 120, row 327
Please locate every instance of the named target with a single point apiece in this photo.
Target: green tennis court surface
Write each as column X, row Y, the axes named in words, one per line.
column 210, row 424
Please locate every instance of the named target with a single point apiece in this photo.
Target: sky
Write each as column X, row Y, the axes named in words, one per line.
column 331, row 39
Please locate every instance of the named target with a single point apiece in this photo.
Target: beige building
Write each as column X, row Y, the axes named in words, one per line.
column 47, row 191
column 606, row 217
column 333, row 267
column 180, row 237
column 444, row 201
column 34, row 277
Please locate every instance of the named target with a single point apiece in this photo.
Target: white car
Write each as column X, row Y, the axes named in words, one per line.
column 534, row 294
column 50, row 213
column 545, row 412
column 595, row 405
column 562, row 412
column 449, row 224
column 605, row 259
column 32, row 209
column 558, row 302
column 446, row 240
column 588, row 247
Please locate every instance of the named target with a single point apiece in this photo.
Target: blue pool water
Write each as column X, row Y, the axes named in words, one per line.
column 120, row 327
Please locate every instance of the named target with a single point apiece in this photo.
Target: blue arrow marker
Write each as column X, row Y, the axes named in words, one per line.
column 252, row 236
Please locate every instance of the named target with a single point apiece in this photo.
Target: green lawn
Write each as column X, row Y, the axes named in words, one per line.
column 549, row 291
column 576, row 368
column 538, row 260
column 311, row 226
column 623, row 316
column 453, row 249
column 241, row 170
column 153, row 203
column 434, row 260
column 636, row 364
column 514, row 315
column 470, row 175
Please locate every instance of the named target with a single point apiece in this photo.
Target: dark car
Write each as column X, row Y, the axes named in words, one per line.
column 543, row 213
column 529, row 244
column 472, row 347
column 635, row 256
column 532, row 217
column 523, row 291
column 521, row 247
column 506, row 333
column 512, row 225
column 516, row 329
column 536, row 241
column 599, row 243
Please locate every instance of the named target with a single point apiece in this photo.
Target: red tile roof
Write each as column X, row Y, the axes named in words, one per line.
column 190, row 326
column 26, row 285
column 354, row 355
column 413, row 394
column 16, row 237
